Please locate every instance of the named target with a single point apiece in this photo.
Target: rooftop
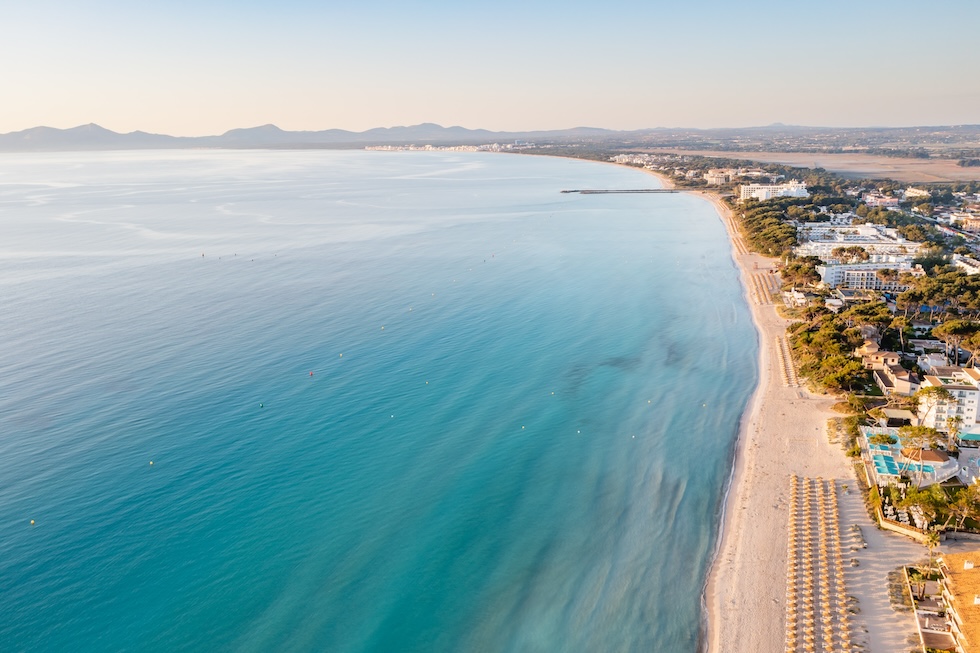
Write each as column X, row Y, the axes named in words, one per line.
column 964, row 585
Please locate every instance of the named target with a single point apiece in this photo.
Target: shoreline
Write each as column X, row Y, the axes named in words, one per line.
column 782, row 433
column 733, row 565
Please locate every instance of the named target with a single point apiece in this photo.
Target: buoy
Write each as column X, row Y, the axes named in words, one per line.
column 426, row 383
column 392, row 417
column 151, row 462
column 32, row 522
column 552, row 393
column 311, row 373
column 579, row 431
column 261, row 405
column 382, row 328
column 341, row 355
column 522, row 427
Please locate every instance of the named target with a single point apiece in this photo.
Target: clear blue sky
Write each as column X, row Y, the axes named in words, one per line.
column 192, row 68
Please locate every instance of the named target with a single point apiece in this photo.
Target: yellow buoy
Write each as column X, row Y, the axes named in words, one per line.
column 32, row 522
column 151, row 462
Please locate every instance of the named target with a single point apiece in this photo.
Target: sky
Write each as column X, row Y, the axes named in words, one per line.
column 198, row 67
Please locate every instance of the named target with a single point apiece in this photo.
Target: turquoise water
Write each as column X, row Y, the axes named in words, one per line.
column 515, row 438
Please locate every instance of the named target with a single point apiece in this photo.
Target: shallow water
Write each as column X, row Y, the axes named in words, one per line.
column 515, row 437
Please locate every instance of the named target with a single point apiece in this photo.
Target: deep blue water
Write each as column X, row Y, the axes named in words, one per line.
column 515, row 438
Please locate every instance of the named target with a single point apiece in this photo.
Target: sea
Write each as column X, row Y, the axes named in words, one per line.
column 359, row 401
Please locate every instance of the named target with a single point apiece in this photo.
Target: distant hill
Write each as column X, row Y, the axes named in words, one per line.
column 774, row 137
column 94, row 137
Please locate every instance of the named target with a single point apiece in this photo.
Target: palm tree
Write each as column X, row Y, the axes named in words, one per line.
column 917, row 578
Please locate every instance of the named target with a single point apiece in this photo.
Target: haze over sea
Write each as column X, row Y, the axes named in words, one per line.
column 516, row 436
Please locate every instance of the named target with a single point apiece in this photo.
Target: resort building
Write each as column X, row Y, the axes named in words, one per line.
column 820, row 239
column 718, row 177
column 768, row 191
column 888, row 463
column 964, row 386
column 960, row 585
column 968, row 264
column 864, row 276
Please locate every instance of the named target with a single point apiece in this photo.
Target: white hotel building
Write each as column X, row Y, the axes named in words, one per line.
column 962, row 383
column 864, row 276
column 768, row 191
column 821, row 238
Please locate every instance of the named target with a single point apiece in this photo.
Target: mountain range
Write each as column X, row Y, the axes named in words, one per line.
column 94, row 137
column 775, row 137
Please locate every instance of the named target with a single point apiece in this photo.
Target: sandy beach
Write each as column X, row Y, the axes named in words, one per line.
column 783, row 433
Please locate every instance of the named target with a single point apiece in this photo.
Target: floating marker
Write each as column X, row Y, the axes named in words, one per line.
column 261, row 405
column 311, row 373
column 32, row 522
column 382, row 328
column 151, row 462
column 522, row 428
column 341, row 355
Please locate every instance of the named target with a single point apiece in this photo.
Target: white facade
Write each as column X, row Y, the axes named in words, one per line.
column 963, row 384
column 717, row 177
column 864, row 276
column 820, row 239
column 768, row 191
column 966, row 263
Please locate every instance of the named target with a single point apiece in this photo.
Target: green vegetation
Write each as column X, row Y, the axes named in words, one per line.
column 945, row 293
column 766, row 231
column 822, row 348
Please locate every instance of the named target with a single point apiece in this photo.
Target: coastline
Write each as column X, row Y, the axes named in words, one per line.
column 743, row 594
column 782, row 433
column 744, row 590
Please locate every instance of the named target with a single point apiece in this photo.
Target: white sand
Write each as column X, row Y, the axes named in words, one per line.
column 783, row 432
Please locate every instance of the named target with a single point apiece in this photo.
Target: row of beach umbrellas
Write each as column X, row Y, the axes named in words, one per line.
column 821, row 497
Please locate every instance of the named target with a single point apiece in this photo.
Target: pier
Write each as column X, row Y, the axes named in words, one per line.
column 599, row 191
